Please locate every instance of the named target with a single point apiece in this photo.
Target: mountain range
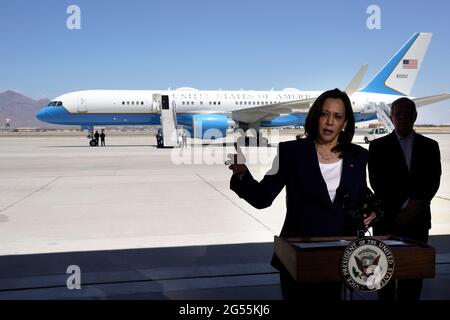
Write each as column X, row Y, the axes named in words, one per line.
column 21, row 110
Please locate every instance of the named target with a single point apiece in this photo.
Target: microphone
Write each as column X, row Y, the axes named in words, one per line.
column 357, row 209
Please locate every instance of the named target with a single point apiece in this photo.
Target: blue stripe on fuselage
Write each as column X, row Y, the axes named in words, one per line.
column 59, row 115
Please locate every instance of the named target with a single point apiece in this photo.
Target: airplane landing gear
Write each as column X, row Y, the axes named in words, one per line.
column 251, row 136
column 250, row 141
column 92, row 141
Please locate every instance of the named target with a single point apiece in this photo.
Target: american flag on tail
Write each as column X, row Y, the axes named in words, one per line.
column 410, row 64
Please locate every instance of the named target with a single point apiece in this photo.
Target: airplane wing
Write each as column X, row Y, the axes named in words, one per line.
column 271, row 111
column 420, row 102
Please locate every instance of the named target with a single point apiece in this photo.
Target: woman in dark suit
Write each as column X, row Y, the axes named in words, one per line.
column 315, row 171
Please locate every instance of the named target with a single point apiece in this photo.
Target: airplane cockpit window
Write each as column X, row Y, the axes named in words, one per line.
column 55, row 104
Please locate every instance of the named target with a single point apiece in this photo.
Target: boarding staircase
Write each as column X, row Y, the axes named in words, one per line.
column 383, row 114
column 168, row 120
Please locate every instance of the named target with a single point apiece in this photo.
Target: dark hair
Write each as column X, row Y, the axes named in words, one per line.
column 403, row 101
column 312, row 120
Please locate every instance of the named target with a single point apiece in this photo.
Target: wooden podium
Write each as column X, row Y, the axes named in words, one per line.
column 318, row 259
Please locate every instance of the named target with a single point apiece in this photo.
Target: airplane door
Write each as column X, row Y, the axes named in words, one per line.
column 165, row 102
column 82, row 105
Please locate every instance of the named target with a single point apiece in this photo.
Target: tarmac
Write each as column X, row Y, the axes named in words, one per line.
column 148, row 223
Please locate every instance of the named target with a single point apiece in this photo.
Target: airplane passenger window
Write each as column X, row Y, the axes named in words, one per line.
column 214, row 103
column 192, row 103
column 123, row 103
column 218, row 103
column 128, row 103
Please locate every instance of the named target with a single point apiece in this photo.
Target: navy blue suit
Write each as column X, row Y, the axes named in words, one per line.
column 310, row 211
column 393, row 184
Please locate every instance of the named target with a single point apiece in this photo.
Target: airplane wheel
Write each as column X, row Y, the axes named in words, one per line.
column 366, row 140
column 252, row 142
column 92, row 143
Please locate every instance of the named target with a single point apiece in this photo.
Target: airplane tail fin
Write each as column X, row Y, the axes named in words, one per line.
column 397, row 77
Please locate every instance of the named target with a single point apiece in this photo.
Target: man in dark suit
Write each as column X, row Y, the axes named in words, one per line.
column 96, row 137
column 404, row 172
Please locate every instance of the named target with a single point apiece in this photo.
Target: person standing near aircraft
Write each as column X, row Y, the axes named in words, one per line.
column 314, row 170
column 404, row 172
column 102, row 138
column 184, row 138
column 96, row 137
column 159, row 138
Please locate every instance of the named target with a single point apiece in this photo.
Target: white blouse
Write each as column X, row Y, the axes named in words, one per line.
column 331, row 173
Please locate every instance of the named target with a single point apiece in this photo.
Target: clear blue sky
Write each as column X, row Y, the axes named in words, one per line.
column 208, row 44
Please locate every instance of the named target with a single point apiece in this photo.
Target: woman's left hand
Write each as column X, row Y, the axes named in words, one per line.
column 368, row 218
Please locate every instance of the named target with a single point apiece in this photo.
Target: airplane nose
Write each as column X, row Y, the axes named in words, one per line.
column 41, row 115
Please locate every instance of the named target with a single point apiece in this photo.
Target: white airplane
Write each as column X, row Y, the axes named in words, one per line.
column 202, row 112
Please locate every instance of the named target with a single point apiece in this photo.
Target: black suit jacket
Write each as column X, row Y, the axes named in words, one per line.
column 310, row 211
column 393, row 184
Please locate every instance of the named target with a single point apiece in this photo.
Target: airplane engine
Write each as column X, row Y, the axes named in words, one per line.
column 209, row 126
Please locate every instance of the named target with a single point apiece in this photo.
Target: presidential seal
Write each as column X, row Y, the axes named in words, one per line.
column 367, row 264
